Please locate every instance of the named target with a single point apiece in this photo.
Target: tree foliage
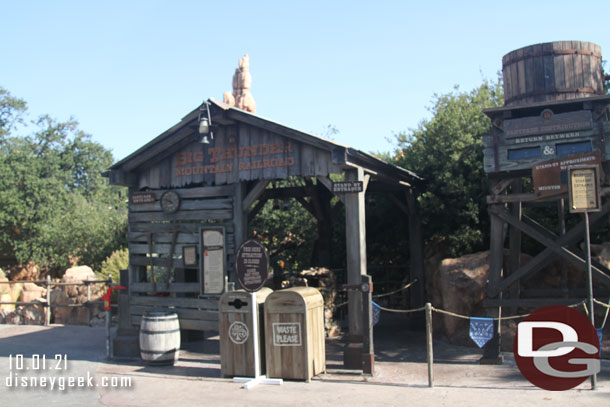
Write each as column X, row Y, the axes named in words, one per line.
column 447, row 151
column 55, row 206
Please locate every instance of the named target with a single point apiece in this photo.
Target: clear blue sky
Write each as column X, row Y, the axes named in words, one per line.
column 128, row 70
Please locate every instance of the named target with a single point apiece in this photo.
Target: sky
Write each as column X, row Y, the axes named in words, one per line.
column 129, row 70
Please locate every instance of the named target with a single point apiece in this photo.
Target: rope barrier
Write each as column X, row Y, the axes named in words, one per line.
column 453, row 314
column 402, row 311
column 396, row 291
column 603, row 304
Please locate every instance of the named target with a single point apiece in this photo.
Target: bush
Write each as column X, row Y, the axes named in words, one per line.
column 118, row 260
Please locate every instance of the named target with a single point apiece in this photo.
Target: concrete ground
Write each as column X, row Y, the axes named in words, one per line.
column 400, row 379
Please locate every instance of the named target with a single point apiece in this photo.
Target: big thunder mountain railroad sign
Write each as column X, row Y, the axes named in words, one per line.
column 252, row 265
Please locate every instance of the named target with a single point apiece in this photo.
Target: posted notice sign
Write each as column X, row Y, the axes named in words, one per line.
column 252, row 265
column 584, row 189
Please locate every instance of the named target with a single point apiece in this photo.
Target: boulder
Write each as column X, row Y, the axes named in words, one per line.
column 458, row 285
column 16, row 290
column 32, row 314
column 32, row 292
column 6, row 307
column 13, row 318
column 4, row 288
column 29, row 272
column 76, row 294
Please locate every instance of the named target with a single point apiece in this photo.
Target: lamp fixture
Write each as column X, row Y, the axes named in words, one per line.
column 205, row 124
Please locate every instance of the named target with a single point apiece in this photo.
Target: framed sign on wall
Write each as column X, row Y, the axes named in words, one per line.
column 213, row 262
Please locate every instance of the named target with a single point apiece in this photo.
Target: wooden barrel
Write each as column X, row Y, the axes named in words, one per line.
column 160, row 338
column 552, row 71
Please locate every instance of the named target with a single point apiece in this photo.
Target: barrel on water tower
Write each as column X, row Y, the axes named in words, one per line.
column 160, row 338
column 552, row 71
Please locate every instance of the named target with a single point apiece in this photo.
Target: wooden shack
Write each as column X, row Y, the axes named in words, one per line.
column 556, row 116
column 193, row 188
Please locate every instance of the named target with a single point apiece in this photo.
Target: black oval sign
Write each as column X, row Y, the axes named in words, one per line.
column 252, row 265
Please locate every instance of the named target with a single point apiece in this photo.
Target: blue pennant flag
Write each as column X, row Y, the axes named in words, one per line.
column 376, row 313
column 481, row 330
column 599, row 335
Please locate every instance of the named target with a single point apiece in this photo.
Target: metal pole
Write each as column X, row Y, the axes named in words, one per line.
column 368, row 350
column 108, row 317
column 88, row 303
column 257, row 356
column 429, row 344
column 590, row 286
column 47, row 315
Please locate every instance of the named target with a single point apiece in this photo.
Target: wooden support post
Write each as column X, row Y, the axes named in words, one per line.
column 492, row 352
column 355, row 237
column 416, row 251
column 240, row 220
column 515, row 244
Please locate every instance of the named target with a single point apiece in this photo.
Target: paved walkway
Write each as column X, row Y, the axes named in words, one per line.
column 400, row 379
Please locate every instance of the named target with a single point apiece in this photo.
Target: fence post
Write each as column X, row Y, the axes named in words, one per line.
column 47, row 315
column 88, row 303
column 429, row 344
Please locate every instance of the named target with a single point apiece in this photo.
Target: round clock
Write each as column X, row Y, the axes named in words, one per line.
column 170, row 202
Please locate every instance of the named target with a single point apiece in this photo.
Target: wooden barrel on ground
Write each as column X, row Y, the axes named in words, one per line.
column 552, row 71
column 160, row 338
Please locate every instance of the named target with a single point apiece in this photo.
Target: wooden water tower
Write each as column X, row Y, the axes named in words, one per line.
column 556, row 115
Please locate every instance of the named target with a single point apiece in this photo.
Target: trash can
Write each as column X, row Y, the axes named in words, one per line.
column 235, row 331
column 294, row 328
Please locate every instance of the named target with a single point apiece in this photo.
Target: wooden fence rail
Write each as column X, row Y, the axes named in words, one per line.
column 46, row 302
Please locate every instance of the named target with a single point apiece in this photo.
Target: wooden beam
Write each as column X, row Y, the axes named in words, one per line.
column 553, row 246
column 496, row 251
column 307, row 206
column 416, row 250
column 355, row 236
column 398, row 203
column 254, row 194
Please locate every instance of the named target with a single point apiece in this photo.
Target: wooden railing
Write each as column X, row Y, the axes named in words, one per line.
column 46, row 301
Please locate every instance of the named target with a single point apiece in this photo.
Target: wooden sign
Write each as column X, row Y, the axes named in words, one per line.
column 547, row 123
column 213, row 261
column 348, row 186
column 189, row 255
column 140, row 198
column 550, row 176
column 584, row 189
column 252, row 265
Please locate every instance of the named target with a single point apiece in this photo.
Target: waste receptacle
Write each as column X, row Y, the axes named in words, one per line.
column 294, row 329
column 235, row 331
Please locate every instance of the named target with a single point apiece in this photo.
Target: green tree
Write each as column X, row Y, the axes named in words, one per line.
column 447, row 151
column 54, row 204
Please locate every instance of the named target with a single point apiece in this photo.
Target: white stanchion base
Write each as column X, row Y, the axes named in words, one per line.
column 253, row 381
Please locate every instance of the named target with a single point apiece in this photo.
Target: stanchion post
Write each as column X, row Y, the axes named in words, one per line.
column 47, row 314
column 108, row 317
column 429, row 345
column 368, row 350
column 88, row 303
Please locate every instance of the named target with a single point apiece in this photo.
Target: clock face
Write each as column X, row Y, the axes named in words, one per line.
column 170, row 201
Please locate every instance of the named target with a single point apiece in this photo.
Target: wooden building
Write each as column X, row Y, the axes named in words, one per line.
column 556, row 116
column 193, row 188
